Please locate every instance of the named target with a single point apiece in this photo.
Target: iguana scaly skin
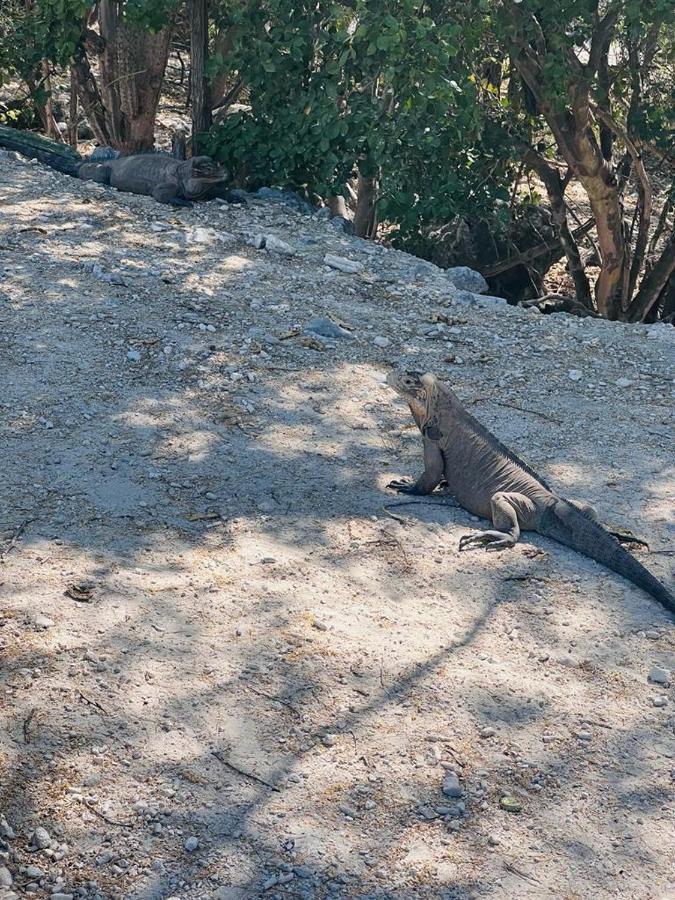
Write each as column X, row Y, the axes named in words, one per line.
column 168, row 180
column 490, row 481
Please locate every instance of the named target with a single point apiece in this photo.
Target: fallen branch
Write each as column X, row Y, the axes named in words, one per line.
column 93, row 703
column 97, row 812
column 527, row 256
column 14, row 538
column 27, row 723
column 532, row 412
column 219, row 756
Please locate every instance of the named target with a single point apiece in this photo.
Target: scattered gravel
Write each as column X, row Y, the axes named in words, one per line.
column 244, row 645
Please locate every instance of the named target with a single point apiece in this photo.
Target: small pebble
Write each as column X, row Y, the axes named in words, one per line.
column 660, row 701
column 41, row 838
column 510, row 804
column 191, row 844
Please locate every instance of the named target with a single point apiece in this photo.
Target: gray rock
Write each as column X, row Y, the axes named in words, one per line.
column 133, row 356
column 349, row 266
column 327, row 328
column 5, row 877
column 59, row 896
column 657, row 675
column 427, row 813
column 303, row 871
column 466, row 279
column 660, row 702
column 287, row 198
column 33, row 872
column 6, row 830
column 191, row 844
column 342, row 224
column 451, row 785
column 44, row 622
column 276, row 245
column 41, row 838
column 323, row 213
column 381, row 341
column 348, row 810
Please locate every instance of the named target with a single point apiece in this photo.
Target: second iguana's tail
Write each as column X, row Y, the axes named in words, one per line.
column 568, row 525
column 57, row 156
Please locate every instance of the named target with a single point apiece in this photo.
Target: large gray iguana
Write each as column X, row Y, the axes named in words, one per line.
column 165, row 178
column 490, row 481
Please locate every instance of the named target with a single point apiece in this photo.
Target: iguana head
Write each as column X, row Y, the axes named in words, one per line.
column 199, row 174
column 417, row 389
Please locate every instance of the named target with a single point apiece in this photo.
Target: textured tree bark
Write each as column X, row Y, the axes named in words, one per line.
column 47, row 112
column 199, row 49
column 90, row 96
column 338, row 206
column 217, row 89
column 654, row 283
column 132, row 64
column 72, row 110
column 365, row 215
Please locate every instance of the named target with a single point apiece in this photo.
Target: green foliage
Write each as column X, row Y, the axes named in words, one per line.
column 375, row 85
column 52, row 30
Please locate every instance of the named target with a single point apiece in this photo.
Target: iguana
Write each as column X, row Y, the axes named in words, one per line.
column 166, row 179
column 490, row 481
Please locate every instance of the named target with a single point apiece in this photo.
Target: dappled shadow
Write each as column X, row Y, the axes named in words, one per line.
column 268, row 663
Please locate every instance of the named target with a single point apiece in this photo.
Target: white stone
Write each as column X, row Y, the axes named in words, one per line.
column 349, row 266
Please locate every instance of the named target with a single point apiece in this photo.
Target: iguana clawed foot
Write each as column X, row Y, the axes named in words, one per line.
column 403, row 486
column 488, row 540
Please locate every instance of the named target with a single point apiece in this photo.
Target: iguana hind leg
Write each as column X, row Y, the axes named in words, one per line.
column 623, row 535
column 510, row 512
column 430, row 478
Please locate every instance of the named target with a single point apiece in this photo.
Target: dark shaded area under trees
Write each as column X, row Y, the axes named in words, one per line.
column 436, row 126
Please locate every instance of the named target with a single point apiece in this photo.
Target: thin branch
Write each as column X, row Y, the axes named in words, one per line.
column 97, row 812
column 221, row 758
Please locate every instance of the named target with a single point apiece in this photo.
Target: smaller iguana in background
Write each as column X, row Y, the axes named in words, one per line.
column 490, row 481
column 165, row 178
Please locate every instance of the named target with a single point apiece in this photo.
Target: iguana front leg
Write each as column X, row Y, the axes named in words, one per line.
column 510, row 512
column 431, row 476
column 168, row 192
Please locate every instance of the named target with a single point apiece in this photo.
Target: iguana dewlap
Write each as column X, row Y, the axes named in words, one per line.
column 490, row 481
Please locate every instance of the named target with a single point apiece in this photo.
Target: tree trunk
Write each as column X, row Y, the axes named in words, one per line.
column 199, row 48
column 338, row 206
column 132, row 64
column 90, row 97
column 654, row 283
column 47, row 112
column 554, row 189
column 72, row 110
column 365, row 215
column 222, row 48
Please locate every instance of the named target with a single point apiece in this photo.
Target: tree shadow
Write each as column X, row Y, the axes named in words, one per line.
column 268, row 662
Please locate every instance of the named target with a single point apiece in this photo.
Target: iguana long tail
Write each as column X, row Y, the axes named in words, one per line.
column 567, row 525
column 57, row 156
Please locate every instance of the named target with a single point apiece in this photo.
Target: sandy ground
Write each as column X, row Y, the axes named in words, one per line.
column 226, row 671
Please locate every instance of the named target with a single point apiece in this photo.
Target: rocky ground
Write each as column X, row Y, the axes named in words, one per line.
column 227, row 671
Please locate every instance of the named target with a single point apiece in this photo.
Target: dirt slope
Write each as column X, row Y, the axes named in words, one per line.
column 226, row 671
